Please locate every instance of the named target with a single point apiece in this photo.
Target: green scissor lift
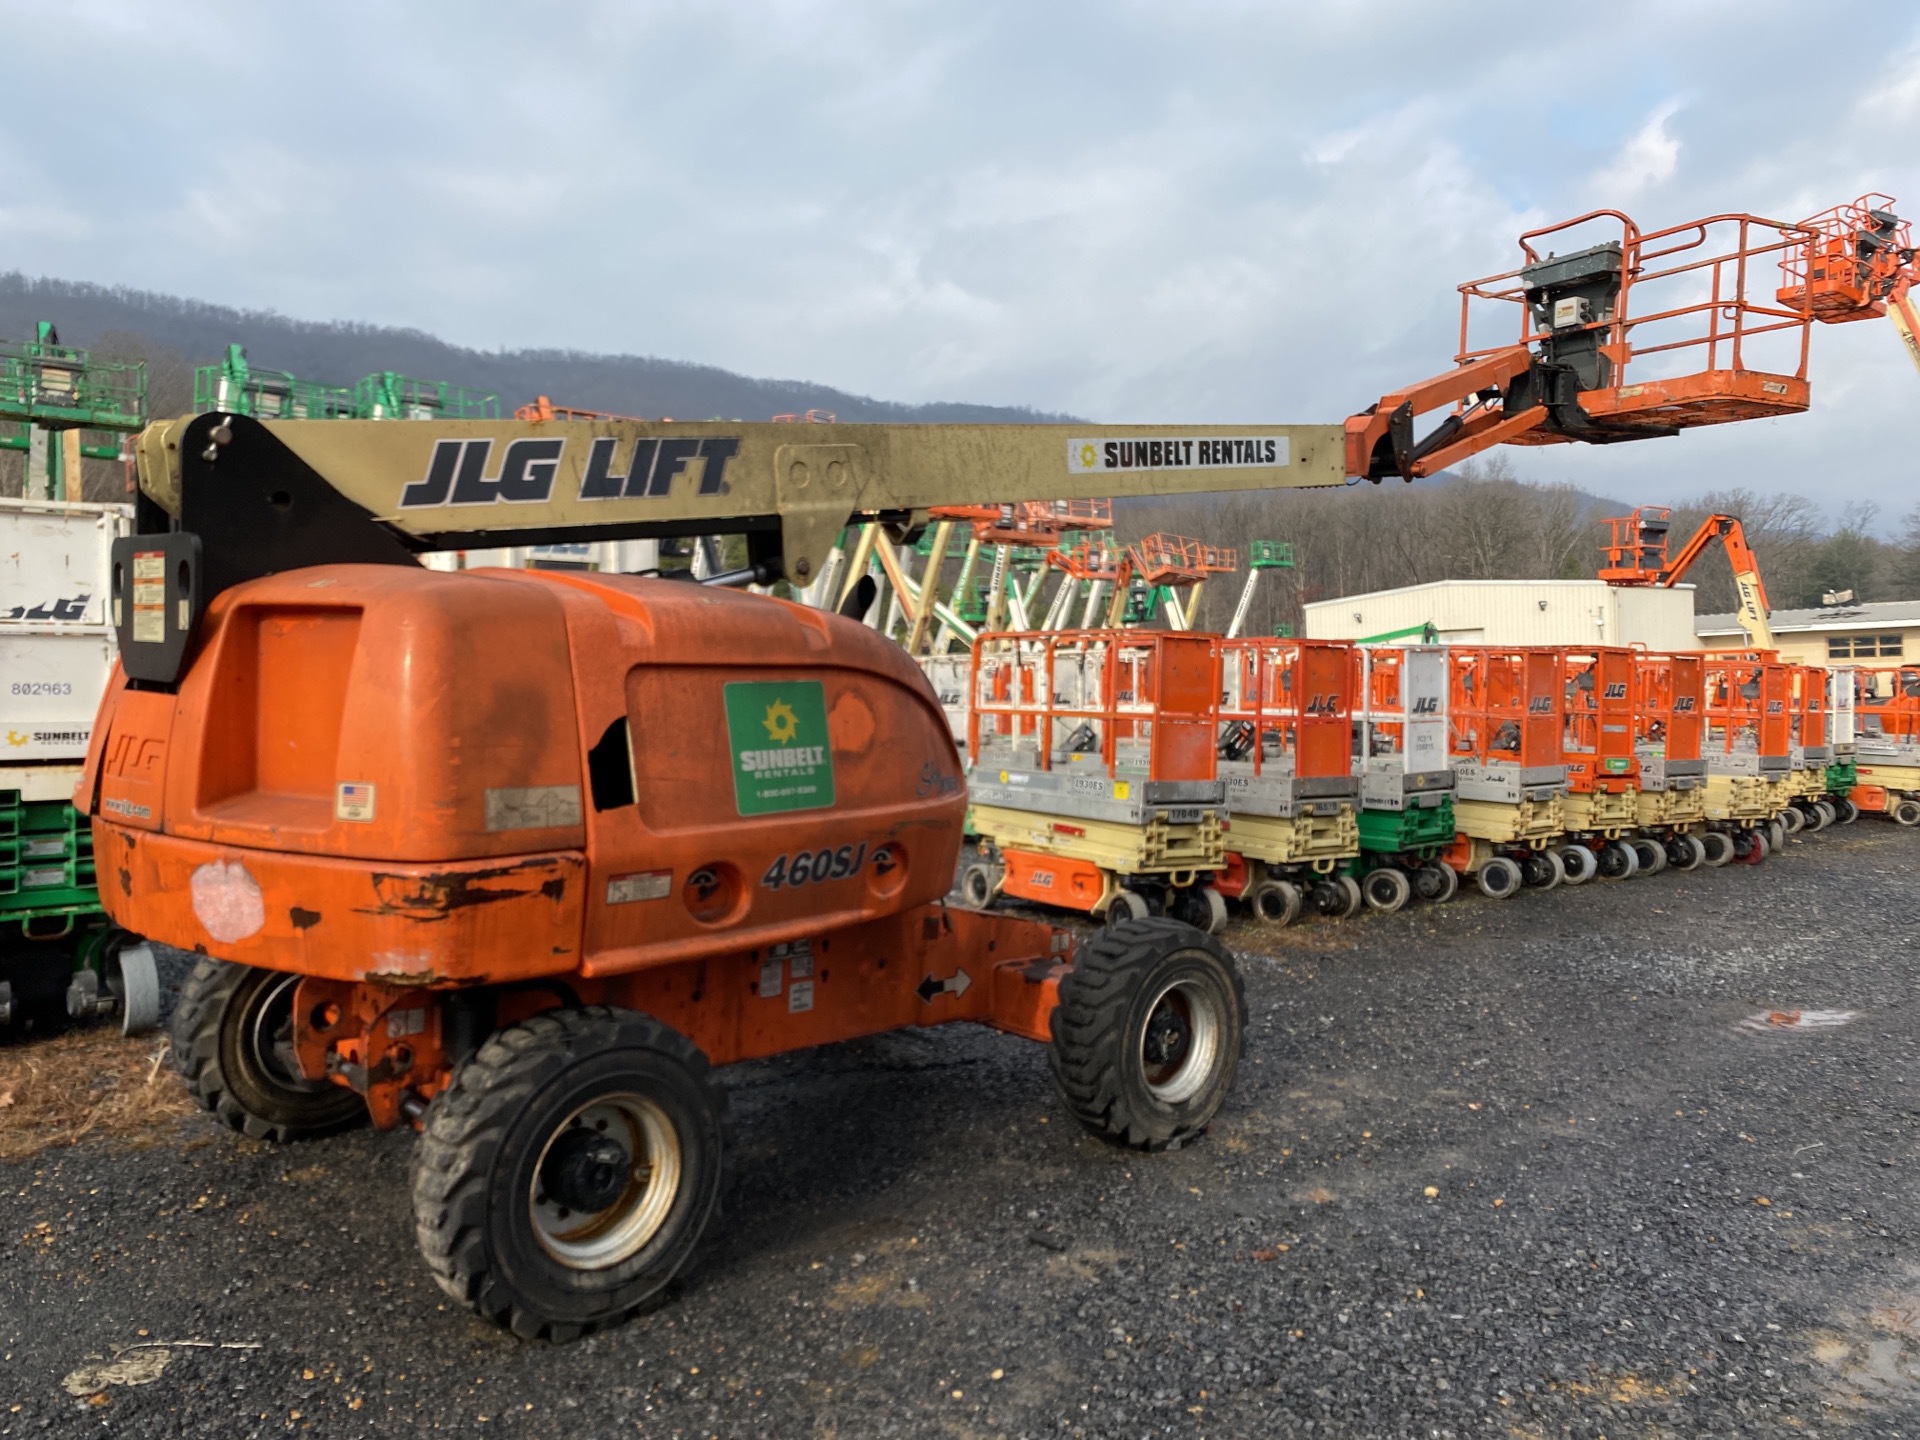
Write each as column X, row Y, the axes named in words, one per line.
column 57, row 947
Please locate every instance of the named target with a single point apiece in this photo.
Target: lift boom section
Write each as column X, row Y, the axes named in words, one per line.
column 1637, row 555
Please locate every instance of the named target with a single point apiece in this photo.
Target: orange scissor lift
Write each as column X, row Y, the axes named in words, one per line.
column 1602, row 805
column 1094, row 777
column 1505, row 710
column 1291, row 793
column 1669, row 721
column 1887, row 751
column 1810, row 750
column 1748, row 750
column 1400, row 758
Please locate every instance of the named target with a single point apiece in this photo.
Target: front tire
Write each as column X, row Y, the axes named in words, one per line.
column 1436, row 882
column 1275, row 902
column 1499, row 878
column 1543, row 869
column 1651, row 854
column 1719, row 848
column 1387, row 889
column 1580, row 864
column 565, row 1175
column 233, row 1044
column 1148, row 1034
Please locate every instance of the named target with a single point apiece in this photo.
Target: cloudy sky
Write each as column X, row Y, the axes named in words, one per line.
column 1197, row 211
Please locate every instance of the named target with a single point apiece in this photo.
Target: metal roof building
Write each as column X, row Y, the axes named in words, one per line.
column 1878, row 632
column 1514, row 612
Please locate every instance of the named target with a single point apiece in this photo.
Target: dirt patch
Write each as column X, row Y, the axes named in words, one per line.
column 55, row 1090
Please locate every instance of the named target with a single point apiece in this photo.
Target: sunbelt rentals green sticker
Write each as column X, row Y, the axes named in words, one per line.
column 777, row 731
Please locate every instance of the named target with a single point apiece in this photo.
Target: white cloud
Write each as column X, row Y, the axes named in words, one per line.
column 1649, row 158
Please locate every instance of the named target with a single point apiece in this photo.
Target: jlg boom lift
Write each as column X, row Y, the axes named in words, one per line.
column 1290, row 789
column 1400, row 760
column 516, row 856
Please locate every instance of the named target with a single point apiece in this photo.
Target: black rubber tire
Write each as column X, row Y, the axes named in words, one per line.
column 1127, row 905
column 1386, row 889
column 1825, row 814
column 1849, row 811
column 1337, row 897
column 1275, row 902
column 1436, row 882
column 1776, row 837
column 1719, row 847
column 483, row 1141
column 1579, row 863
column 1100, row 1032
column 216, row 1050
column 1905, row 811
column 1792, row 819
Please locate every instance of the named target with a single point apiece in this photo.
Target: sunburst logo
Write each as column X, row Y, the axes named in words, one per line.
column 15, row 737
column 1089, row 456
column 781, row 723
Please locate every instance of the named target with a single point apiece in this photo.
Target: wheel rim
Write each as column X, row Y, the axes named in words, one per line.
column 267, row 1040
column 1180, row 1041
column 975, row 887
column 617, row 1160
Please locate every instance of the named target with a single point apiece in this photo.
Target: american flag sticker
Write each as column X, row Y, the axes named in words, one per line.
column 353, row 801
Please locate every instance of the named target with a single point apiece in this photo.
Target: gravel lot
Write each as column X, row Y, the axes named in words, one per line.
column 1540, row 1168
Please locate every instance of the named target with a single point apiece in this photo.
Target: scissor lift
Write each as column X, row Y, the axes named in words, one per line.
column 1505, row 709
column 1809, row 749
column 1887, row 754
column 1748, row 752
column 1603, row 768
column 1669, row 720
column 1400, row 757
column 1843, row 773
column 1093, row 773
column 1285, row 711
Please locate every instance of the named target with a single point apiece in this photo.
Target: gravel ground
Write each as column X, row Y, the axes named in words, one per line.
column 1539, row 1168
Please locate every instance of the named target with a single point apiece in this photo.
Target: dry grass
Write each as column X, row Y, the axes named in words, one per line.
column 91, row 1081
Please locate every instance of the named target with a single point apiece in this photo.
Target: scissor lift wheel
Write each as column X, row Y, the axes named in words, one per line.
column 1436, row 882
column 1578, row 863
column 1148, row 1034
column 233, row 1044
column 1387, row 889
column 564, row 1177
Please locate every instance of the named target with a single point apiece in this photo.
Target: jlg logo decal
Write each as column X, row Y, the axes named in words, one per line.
column 1324, row 705
column 457, row 473
column 1615, row 690
column 1425, row 705
column 129, row 757
column 1682, row 704
column 1540, row 705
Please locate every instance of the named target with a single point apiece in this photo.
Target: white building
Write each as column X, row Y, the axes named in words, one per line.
column 1514, row 612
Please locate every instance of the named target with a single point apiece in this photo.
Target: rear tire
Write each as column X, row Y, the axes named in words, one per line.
column 233, row 1045
column 1338, row 897
column 1543, row 869
column 1436, row 882
column 1849, row 811
column 1617, row 861
column 1275, row 902
column 1204, row 908
column 1127, row 905
column 1906, row 812
column 976, row 885
column 1776, row 836
column 1792, row 819
column 564, row 1176
column 1686, row 852
column 1750, row 846
column 1718, row 847
column 1386, row 889
column 1148, row 1034
column 1499, row 878
column 1580, row 863
column 1651, row 854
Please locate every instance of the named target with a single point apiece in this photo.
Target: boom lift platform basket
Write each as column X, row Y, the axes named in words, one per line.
column 1505, row 712
column 1284, row 748
column 1094, row 779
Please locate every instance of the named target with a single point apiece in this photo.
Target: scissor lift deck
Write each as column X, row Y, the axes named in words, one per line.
column 1505, row 716
column 1292, row 796
column 1093, row 774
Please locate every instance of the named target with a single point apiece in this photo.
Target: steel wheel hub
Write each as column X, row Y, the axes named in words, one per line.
column 606, row 1179
column 1181, row 1041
